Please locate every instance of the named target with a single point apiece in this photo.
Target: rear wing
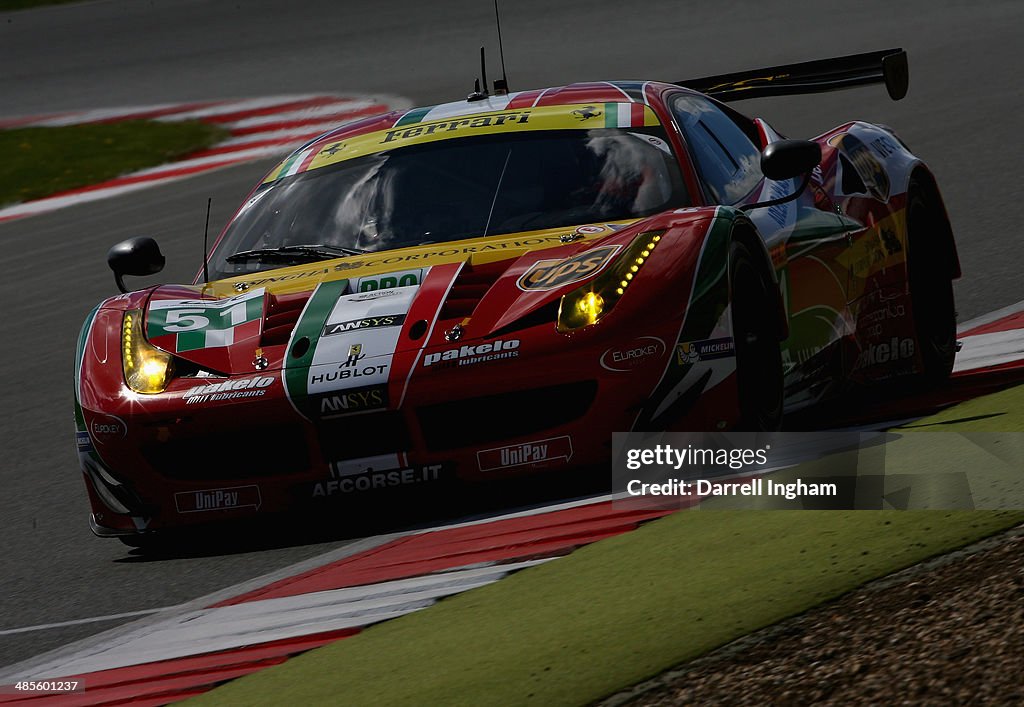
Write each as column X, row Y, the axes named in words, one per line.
column 888, row 66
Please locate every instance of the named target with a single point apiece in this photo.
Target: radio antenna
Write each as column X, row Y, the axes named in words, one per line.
column 500, row 85
column 480, row 92
column 206, row 237
column 483, row 69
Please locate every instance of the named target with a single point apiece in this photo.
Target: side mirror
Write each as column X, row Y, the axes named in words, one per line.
column 786, row 159
column 135, row 256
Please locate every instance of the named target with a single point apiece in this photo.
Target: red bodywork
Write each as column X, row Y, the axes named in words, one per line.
column 178, row 458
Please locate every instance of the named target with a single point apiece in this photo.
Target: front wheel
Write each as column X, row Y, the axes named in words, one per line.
column 758, row 353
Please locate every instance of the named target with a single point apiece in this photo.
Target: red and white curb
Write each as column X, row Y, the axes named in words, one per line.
column 183, row 651
column 258, row 127
column 992, row 342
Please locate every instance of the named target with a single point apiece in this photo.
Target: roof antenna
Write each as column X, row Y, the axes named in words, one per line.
column 500, row 85
column 478, row 94
column 483, row 69
column 206, row 237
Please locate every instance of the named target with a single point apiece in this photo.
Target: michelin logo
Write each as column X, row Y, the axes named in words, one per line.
column 707, row 350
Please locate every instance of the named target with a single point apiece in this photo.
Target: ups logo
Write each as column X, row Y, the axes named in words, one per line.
column 549, row 274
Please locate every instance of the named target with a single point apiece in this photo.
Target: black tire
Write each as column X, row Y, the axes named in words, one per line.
column 931, row 287
column 758, row 350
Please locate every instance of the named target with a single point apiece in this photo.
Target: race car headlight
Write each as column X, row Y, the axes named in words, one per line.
column 147, row 369
column 586, row 305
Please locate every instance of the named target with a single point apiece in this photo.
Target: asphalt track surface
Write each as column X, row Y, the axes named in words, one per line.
column 963, row 115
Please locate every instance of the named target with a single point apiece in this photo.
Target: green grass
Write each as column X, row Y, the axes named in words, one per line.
column 42, row 161
column 624, row 609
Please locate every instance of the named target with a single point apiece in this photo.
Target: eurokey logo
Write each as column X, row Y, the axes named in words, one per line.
column 466, row 355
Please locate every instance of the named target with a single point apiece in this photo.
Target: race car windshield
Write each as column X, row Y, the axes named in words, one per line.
column 454, row 189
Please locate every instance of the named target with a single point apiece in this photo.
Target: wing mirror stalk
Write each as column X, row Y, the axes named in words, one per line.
column 786, row 159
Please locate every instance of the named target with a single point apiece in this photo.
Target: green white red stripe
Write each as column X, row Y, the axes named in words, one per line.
column 623, row 115
column 190, row 325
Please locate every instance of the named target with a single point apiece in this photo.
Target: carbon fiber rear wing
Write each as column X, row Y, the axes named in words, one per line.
column 888, row 66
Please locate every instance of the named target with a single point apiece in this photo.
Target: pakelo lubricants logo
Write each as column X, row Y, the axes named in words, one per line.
column 479, row 353
column 254, row 387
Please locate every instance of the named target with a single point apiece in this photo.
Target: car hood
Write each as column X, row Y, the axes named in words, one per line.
column 364, row 306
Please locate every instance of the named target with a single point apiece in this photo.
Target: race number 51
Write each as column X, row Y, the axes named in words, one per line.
column 179, row 320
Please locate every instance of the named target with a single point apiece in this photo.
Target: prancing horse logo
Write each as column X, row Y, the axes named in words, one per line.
column 355, row 354
column 586, row 113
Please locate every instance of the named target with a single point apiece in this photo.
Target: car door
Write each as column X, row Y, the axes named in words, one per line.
column 805, row 238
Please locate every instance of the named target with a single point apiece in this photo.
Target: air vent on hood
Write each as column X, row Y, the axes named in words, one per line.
column 469, row 288
column 282, row 315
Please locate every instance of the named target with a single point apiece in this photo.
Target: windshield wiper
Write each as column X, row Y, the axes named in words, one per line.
column 290, row 252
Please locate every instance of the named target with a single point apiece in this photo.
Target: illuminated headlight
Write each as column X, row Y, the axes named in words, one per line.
column 586, row 305
column 147, row 369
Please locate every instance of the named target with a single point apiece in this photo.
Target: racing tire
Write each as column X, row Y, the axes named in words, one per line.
column 931, row 289
column 758, row 350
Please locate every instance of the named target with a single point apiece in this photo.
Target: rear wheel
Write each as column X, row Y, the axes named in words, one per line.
column 931, row 287
column 758, row 353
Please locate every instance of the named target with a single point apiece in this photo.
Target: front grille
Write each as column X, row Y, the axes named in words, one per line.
column 282, row 315
column 235, row 454
column 465, row 423
column 368, row 435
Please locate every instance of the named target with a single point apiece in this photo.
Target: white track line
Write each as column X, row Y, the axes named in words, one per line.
column 262, row 621
column 992, row 316
column 238, row 106
column 77, row 622
column 216, row 158
column 92, row 116
column 987, row 350
column 91, row 645
column 284, row 136
column 40, row 206
column 328, row 110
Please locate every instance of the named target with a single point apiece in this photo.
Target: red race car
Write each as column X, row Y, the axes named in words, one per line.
column 492, row 287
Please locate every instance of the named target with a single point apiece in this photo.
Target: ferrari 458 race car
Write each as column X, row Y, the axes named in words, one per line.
column 492, row 287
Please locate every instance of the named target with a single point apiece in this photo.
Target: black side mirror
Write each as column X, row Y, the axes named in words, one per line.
column 135, row 256
column 785, row 159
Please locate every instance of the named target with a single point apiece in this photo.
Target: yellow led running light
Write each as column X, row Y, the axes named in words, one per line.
column 147, row 369
column 585, row 306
